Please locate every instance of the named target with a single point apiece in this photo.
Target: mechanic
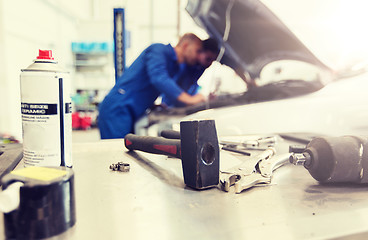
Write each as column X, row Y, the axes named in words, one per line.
column 188, row 79
column 154, row 72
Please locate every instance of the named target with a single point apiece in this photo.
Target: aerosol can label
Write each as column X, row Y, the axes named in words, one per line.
column 46, row 115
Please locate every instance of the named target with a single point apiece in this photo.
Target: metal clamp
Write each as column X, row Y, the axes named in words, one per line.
column 120, row 166
column 264, row 173
column 234, row 174
column 254, row 171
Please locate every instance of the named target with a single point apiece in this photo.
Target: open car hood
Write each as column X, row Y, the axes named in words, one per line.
column 256, row 36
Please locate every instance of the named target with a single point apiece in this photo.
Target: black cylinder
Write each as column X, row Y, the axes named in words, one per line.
column 47, row 203
column 338, row 159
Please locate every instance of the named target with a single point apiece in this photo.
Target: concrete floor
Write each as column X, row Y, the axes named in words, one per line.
column 90, row 135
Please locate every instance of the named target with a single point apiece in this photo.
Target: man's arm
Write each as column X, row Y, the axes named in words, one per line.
column 157, row 69
column 158, row 72
column 191, row 100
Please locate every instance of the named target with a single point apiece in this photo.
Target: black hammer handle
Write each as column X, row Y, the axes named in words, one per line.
column 170, row 134
column 156, row 145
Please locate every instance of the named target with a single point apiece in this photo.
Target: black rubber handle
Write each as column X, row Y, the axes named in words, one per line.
column 156, row 145
column 170, row 134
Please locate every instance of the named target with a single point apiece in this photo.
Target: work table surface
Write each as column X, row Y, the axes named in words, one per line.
column 151, row 201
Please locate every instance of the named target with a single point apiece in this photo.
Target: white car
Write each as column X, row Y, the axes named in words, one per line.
column 273, row 42
column 340, row 108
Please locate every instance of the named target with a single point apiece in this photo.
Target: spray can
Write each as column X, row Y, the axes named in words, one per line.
column 46, row 113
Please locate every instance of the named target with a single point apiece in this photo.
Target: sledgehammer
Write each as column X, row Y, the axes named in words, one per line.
column 198, row 149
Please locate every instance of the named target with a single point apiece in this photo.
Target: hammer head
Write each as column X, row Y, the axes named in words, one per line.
column 200, row 153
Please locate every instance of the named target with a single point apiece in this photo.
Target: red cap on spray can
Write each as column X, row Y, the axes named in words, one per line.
column 45, row 54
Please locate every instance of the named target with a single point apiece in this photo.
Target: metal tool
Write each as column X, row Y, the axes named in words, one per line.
column 264, row 173
column 234, row 149
column 254, row 171
column 258, row 143
column 120, row 166
column 229, row 177
column 335, row 159
column 198, row 149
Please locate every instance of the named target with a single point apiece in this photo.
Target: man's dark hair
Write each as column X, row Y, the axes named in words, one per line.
column 210, row 44
column 191, row 37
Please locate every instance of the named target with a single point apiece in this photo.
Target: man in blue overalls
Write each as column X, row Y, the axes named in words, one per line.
column 154, row 72
column 188, row 79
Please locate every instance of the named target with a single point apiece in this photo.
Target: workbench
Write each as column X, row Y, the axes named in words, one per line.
column 151, row 201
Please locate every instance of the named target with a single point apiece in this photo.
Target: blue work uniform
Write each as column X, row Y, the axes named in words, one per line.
column 154, row 72
column 187, row 81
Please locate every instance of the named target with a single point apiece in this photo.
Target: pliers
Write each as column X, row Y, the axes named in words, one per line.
column 254, row 171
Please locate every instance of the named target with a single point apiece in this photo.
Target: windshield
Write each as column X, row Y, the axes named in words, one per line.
column 283, row 70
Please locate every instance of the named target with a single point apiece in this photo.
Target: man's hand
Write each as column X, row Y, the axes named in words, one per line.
column 191, row 100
